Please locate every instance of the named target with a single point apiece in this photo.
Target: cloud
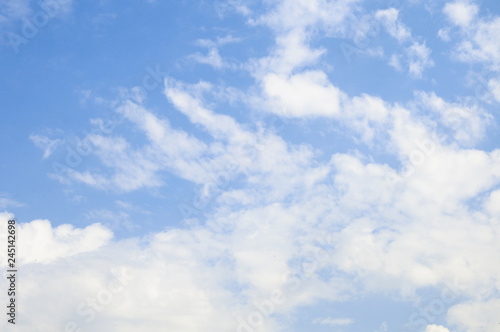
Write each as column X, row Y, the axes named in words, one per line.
column 419, row 58
column 42, row 244
column 333, row 321
column 436, row 328
column 444, row 34
column 407, row 236
column 476, row 315
column 382, row 327
column 494, row 87
column 483, row 46
column 395, row 62
column 294, row 24
column 223, row 8
column 113, row 220
column 468, row 122
column 213, row 57
column 135, row 286
column 478, row 42
column 6, row 202
column 286, row 217
column 461, row 12
column 101, row 21
column 306, row 94
column 13, row 10
column 416, row 55
column 46, row 144
column 391, row 22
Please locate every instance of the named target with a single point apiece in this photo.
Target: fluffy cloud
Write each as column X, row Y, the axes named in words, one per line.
column 391, row 22
column 419, row 57
column 296, row 227
column 467, row 122
column 305, row 94
column 42, row 244
column 479, row 43
column 436, row 328
column 391, row 237
column 476, row 316
column 461, row 12
column 482, row 45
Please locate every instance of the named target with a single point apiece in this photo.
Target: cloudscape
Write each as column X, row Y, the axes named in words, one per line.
column 250, row 166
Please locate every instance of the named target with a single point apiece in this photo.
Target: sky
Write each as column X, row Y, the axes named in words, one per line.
column 244, row 165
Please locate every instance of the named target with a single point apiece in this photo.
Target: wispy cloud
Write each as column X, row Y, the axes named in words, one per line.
column 333, row 321
column 46, row 144
column 7, row 203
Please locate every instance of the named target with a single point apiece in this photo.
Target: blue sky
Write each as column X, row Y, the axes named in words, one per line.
column 209, row 155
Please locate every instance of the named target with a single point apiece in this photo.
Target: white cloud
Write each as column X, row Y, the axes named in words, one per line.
column 480, row 43
column 113, row 220
column 395, row 62
column 138, row 293
column 292, row 21
column 494, row 87
column 409, row 235
column 397, row 245
column 492, row 205
column 46, row 144
column 289, row 207
column 224, row 7
column 416, row 55
column 41, row 243
column 390, row 20
column 6, row 202
column 468, row 123
column 444, row 34
column 333, row 321
column 213, row 57
column 476, row 316
column 436, row 328
column 419, row 58
column 382, row 327
column 461, row 12
column 12, row 10
column 306, row 94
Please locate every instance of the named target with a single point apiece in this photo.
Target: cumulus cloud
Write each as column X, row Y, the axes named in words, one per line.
column 419, row 58
column 41, row 243
column 408, row 236
column 291, row 227
column 417, row 55
column 436, row 328
column 467, row 122
column 476, row 315
column 482, row 45
column 478, row 42
column 305, row 94
column 461, row 12
column 390, row 20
